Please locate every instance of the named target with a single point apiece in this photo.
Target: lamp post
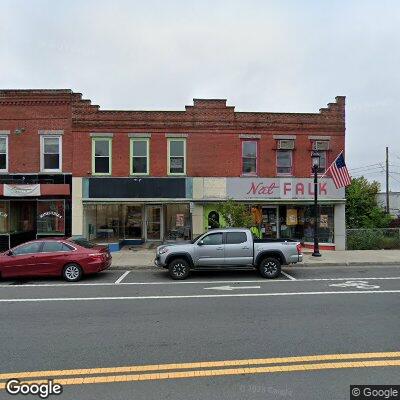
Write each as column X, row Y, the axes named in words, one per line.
column 315, row 157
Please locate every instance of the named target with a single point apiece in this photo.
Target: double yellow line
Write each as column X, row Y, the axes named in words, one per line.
column 208, row 368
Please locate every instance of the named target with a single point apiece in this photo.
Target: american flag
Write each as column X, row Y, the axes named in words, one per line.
column 339, row 172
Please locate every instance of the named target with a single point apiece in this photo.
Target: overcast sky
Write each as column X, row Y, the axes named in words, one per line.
column 287, row 56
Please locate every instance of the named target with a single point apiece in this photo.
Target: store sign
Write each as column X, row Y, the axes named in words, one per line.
column 281, row 188
column 134, row 188
column 21, row 190
column 48, row 213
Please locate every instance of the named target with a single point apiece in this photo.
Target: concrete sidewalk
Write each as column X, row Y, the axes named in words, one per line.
column 138, row 258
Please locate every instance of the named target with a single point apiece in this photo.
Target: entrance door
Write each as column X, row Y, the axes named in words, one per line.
column 154, row 223
column 270, row 222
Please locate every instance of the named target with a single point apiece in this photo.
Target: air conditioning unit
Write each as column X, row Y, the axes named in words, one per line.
column 286, row 144
column 320, row 145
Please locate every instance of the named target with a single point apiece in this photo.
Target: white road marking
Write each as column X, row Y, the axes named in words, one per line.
column 356, row 284
column 194, row 282
column 292, row 278
column 232, row 287
column 200, row 296
column 122, row 277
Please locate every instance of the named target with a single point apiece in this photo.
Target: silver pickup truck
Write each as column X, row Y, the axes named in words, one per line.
column 229, row 248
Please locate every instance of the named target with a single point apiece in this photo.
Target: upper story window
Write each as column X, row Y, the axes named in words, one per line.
column 101, row 156
column 139, row 156
column 321, row 147
column 176, row 156
column 249, row 157
column 4, row 153
column 284, row 157
column 284, row 162
column 51, row 153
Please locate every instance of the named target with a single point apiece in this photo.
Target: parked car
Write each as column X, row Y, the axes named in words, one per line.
column 228, row 248
column 69, row 258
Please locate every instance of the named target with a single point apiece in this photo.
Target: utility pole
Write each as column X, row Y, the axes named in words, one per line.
column 387, row 181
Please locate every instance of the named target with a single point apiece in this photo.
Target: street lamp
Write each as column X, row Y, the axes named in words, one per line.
column 315, row 157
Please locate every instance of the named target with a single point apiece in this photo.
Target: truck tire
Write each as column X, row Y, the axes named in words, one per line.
column 270, row 268
column 179, row 269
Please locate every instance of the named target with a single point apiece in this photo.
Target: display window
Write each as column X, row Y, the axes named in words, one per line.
column 177, row 222
column 50, row 217
column 297, row 222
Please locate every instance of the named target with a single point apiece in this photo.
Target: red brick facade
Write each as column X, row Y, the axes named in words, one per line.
column 213, row 132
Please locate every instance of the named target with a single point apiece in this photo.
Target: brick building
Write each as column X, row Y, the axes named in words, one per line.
column 128, row 176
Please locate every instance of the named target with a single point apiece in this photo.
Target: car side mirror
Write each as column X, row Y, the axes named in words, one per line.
column 10, row 253
column 200, row 243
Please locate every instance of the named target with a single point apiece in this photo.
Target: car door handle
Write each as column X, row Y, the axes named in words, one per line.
column 245, row 248
column 220, row 248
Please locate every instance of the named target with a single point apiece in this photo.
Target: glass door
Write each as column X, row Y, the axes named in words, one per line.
column 269, row 226
column 154, row 223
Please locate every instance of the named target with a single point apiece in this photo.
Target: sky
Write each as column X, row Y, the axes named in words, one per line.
column 284, row 56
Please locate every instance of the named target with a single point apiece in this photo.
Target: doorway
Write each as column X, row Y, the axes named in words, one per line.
column 154, row 223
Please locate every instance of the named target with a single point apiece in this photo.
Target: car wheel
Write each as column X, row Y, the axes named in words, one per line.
column 72, row 272
column 179, row 269
column 270, row 268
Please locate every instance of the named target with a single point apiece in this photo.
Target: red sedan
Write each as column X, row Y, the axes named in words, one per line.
column 70, row 259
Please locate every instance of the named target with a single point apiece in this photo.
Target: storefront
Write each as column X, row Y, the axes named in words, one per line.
column 29, row 212
column 136, row 223
column 283, row 208
column 121, row 211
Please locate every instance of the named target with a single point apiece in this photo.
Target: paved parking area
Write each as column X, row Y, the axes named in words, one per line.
column 157, row 275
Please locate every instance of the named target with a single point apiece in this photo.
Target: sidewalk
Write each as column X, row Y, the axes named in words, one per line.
column 140, row 258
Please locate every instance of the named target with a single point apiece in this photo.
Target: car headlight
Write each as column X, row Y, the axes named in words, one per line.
column 163, row 250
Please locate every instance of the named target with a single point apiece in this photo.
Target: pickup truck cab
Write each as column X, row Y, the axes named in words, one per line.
column 229, row 248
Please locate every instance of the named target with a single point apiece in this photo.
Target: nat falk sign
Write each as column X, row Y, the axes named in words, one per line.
column 281, row 188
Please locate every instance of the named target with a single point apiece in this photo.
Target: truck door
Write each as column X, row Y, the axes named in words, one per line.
column 210, row 250
column 238, row 248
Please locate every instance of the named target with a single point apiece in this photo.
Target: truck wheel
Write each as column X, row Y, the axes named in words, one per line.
column 270, row 268
column 179, row 269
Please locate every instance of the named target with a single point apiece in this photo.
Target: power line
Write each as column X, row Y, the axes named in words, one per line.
column 364, row 167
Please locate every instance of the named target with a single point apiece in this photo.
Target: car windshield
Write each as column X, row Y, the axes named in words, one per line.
column 83, row 242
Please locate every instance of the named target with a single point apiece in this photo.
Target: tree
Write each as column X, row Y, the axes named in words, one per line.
column 235, row 214
column 362, row 209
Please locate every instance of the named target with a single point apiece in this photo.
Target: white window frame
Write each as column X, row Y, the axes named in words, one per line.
column 132, row 141
column 291, row 163
column 42, row 140
column 6, row 168
column 256, row 158
column 98, row 139
column 320, row 172
column 170, row 140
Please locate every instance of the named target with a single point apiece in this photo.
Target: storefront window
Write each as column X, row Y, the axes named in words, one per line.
column 4, row 216
column 177, row 222
column 132, row 221
column 22, row 216
column 107, row 223
column 50, row 217
column 297, row 222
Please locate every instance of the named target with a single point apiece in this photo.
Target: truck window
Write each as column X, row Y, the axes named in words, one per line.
column 236, row 237
column 213, row 239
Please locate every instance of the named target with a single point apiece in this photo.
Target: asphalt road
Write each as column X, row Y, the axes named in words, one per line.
column 144, row 322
